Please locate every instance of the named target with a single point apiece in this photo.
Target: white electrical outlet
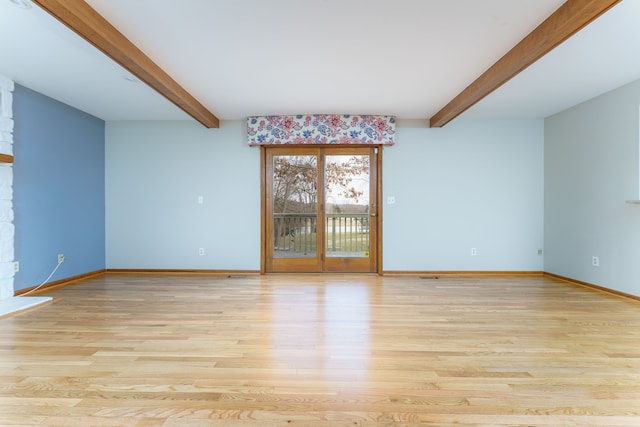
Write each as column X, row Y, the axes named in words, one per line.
column 201, row 251
column 474, row 252
column 16, row 266
column 595, row 261
column 60, row 258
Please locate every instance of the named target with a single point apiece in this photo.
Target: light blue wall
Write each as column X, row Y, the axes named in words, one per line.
column 472, row 184
column 155, row 173
column 58, row 189
column 591, row 169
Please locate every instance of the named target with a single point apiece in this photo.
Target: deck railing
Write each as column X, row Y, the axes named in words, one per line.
column 343, row 232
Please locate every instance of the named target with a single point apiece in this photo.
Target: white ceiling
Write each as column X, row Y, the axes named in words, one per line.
column 239, row 58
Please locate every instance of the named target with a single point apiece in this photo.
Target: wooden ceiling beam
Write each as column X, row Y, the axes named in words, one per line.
column 90, row 25
column 568, row 19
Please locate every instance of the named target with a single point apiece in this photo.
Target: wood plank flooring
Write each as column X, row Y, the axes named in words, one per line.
column 321, row 350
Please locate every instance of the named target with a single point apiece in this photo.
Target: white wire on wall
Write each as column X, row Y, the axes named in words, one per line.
column 45, row 280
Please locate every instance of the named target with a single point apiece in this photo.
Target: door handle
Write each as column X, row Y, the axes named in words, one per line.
column 374, row 214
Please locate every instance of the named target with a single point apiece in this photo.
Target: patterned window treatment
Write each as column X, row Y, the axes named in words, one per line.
column 321, row 129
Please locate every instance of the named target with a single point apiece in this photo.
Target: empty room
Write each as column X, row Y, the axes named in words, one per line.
column 319, row 213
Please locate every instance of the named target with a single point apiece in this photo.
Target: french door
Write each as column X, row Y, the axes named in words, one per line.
column 320, row 209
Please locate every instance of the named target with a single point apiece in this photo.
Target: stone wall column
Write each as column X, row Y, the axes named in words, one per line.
column 7, row 230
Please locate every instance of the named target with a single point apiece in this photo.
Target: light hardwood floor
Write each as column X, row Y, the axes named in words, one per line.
column 322, row 350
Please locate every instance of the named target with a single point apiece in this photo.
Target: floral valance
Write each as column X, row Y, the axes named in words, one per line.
column 321, row 129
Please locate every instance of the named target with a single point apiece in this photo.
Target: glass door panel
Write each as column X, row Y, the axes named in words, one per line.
column 295, row 206
column 347, row 206
column 292, row 211
column 350, row 210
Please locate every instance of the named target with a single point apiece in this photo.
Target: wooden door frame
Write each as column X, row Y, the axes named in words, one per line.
column 263, row 205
